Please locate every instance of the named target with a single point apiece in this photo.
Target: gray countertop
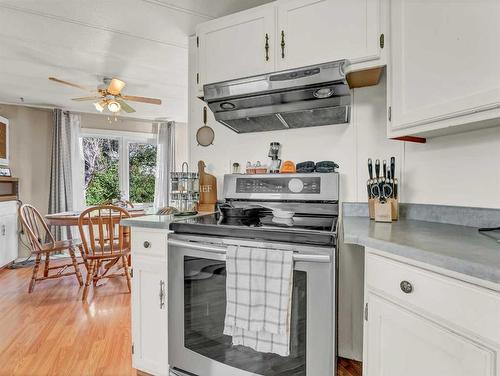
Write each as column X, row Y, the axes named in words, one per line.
column 461, row 249
column 161, row 222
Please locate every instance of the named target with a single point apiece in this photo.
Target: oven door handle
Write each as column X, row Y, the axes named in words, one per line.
column 223, row 250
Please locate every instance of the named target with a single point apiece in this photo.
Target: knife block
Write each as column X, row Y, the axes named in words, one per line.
column 383, row 211
column 394, row 208
column 371, row 208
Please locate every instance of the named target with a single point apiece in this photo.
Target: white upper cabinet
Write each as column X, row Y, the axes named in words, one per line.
column 444, row 71
column 289, row 34
column 238, row 45
column 317, row 31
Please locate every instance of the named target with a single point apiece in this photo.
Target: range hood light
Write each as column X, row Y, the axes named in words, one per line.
column 324, row 92
column 227, row 106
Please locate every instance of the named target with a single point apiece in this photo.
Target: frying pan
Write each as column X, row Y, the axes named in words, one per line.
column 205, row 135
column 232, row 212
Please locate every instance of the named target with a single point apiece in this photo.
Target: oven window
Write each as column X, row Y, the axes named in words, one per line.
column 204, row 312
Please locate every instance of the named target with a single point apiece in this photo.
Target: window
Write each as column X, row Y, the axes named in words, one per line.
column 116, row 166
column 142, row 171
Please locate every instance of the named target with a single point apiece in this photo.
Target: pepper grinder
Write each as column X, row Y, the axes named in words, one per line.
column 274, row 153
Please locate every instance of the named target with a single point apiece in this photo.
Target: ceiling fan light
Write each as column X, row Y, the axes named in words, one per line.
column 114, row 106
column 98, row 106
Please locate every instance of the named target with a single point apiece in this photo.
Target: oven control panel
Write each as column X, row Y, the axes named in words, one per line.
column 288, row 185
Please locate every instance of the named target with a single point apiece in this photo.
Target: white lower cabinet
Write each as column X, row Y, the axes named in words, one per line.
column 8, row 232
column 149, row 301
column 419, row 322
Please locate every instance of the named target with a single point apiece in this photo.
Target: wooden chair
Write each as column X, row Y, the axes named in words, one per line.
column 105, row 242
column 42, row 242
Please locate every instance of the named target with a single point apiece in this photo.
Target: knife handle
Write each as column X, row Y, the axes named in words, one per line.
column 377, row 168
column 384, row 168
column 370, row 168
column 393, row 167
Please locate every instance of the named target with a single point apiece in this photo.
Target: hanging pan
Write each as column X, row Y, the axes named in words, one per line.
column 205, row 135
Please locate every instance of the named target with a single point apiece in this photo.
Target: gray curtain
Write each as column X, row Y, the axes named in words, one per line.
column 61, row 190
column 165, row 162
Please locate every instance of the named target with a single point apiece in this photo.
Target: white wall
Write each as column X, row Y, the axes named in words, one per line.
column 461, row 170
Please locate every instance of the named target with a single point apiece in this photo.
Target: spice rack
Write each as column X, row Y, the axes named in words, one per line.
column 184, row 191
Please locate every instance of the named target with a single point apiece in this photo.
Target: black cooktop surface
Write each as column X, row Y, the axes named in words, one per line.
column 307, row 229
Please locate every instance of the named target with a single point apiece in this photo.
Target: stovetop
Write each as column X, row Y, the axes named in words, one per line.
column 306, row 229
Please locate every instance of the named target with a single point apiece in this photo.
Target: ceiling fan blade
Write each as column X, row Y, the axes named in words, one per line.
column 125, row 106
column 69, row 83
column 141, row 99
column 93, row 98
column 115, row 86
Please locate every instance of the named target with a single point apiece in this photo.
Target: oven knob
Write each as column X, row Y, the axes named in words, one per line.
column 295, row 185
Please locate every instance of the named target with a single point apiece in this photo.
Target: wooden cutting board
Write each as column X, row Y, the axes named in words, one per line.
column 208, row 189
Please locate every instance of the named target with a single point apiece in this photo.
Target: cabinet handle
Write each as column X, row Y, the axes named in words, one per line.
column 282, row 44
column 162, row 294
column 147, row 244
column 406, row 287
column 266, row 46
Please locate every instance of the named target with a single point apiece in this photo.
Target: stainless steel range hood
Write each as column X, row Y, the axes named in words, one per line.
column 306, row 97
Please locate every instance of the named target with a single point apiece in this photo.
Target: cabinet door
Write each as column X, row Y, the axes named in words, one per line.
column 235, row 46
column 8, row 238
column 445, row 65
column 149, row 315
column 400, row 342
column 10, row 249
column 317, row 31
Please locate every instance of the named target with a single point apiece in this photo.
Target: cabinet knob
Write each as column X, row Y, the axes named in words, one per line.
column 147, row 244
column 406, row 287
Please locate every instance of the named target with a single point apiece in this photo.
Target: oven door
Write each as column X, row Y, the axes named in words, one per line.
column 197, row 306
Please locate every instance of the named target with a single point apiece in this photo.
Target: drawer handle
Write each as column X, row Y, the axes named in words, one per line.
column 147, row 244
column 406, row 287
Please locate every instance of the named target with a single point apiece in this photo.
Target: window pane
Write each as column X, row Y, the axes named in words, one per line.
column 101, row 170
column 142, row 172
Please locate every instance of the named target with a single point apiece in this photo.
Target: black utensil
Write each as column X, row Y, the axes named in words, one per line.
column 377, row 168
column 369, row 188
column 393, row 167
column 370, row 168
column 384, row 168
column 395, row 190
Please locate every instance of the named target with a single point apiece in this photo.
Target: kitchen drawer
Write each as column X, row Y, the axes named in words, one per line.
column 452, row 302
column 149, row 242
column 8, row 207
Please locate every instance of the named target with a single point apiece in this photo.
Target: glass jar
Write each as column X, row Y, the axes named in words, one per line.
column 174, row 181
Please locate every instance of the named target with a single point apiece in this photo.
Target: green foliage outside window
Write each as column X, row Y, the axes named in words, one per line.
column 142, row 171
column 102, row 182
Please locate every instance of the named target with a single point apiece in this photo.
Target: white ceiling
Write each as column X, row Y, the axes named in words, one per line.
column 143, row 42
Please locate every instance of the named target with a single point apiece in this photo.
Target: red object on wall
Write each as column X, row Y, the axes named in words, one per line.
column 418, row 140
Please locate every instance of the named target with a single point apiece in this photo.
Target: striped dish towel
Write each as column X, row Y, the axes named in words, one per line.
column 258, row 298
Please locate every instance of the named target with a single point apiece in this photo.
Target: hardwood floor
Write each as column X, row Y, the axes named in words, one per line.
column 51, row 332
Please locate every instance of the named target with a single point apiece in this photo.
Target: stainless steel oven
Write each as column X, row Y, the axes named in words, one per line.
column 197, row 303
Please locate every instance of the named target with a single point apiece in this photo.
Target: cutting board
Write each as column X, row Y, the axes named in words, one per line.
column 208, row 189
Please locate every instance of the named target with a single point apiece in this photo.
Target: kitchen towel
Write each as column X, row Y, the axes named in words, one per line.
column 258, row 298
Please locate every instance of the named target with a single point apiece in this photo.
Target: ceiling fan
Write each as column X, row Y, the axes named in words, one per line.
column 109, row 96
